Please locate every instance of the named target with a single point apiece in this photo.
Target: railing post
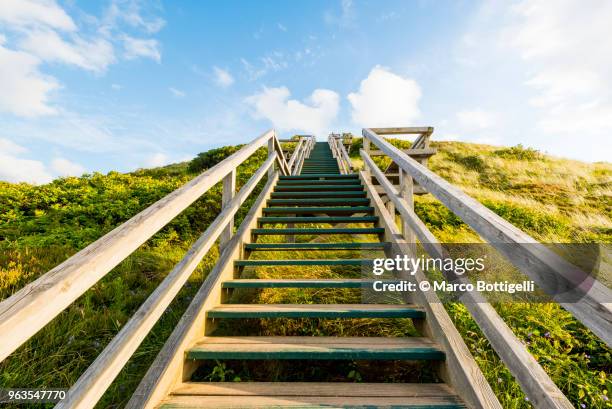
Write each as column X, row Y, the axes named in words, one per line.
column 271, row 152
column 229, row 190
column 406, row 192
column 366, row 148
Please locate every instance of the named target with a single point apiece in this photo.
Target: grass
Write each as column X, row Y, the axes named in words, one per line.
column 554, row 200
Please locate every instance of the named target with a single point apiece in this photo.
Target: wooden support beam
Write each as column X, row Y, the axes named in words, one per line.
column 229, row 190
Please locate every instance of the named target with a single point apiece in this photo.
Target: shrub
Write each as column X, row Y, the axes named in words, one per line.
column 519, row 152
column 210, row 158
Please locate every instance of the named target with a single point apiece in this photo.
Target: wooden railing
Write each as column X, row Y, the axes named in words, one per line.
column 30, row 309
column 531, row 257
column 339, row 151
column 304, row 145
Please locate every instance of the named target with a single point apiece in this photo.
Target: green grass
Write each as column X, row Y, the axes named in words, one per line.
column 554, row 200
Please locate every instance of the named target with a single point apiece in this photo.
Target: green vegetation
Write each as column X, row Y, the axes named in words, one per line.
column 552, row 199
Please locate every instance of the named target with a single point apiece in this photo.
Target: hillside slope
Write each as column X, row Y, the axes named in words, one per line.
column 555, row 200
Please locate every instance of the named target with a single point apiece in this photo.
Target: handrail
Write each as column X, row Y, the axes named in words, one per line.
column 461, row 370
column 300, row 152
column 531, row 257
column 535, row 382
column 169, row 366
column 339, row 152
column 97, row 378
column 31, row 308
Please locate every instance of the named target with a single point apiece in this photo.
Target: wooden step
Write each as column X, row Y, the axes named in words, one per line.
column 299, row 283
column 293, row 395
column 321, row 209
column 241, row 311
column 317, row 182
column 320, row 219
column 322, row 201
column 288, row 195
column 316, row 348
column 320, row 175
column 315, row 246
column 297, row 231
column 318, row 188
column 304, row 262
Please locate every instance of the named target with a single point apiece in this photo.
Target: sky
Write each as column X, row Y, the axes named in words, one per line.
column 93, row 86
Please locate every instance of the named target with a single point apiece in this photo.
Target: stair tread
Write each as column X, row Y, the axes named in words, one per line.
column 320, row 347
column 312, row 395
column 304, row 262
column 320, row 219
column 342, row 230
column 299, row 283
column 321, row 209
column 356, row 193
column 316, row 246
column 238, row 311
column 300, row 201
column 309, row 402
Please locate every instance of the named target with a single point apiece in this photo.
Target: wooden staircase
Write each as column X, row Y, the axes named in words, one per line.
column 320, row 195
column 312, row 202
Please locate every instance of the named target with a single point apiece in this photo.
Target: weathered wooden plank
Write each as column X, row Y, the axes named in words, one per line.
column 404, row 130
column 322, row 201
column 95, row 380
column 537, row 385
column 320, row 219
column 419, row 153
column 461, row 371
column 299, row 283
column 317, row 246
column 342, row 348
column 591, row 299
column 169, row 367
column 305, row 262
column 310, row 402
column 314, row 389
column 237, row 311
column 229, row 190
column 318, row 210
column 28, row 310
column 319, row 231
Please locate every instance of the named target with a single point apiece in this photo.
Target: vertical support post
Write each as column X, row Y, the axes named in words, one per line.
column 366, row 148
column 406, row 192
column 229, row 190
column 270, row 153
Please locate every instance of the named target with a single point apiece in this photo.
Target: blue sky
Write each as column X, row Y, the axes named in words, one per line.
column 121, row 84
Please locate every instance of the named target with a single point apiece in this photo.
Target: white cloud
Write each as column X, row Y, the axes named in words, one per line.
column 14, row 169
column 131, row 12
column 25, row 90
column 281, row 27
column 116, row 87
column 346, row 16
column 314, row 116
column 10, row 147
column 34, row 13
column 95, row 55
column 385, row 99
column 555, row 59
column 223, row 77
column 176, row 92
column 475, row 119
column 157, row 160
column 64, row 167
column 140, row 47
